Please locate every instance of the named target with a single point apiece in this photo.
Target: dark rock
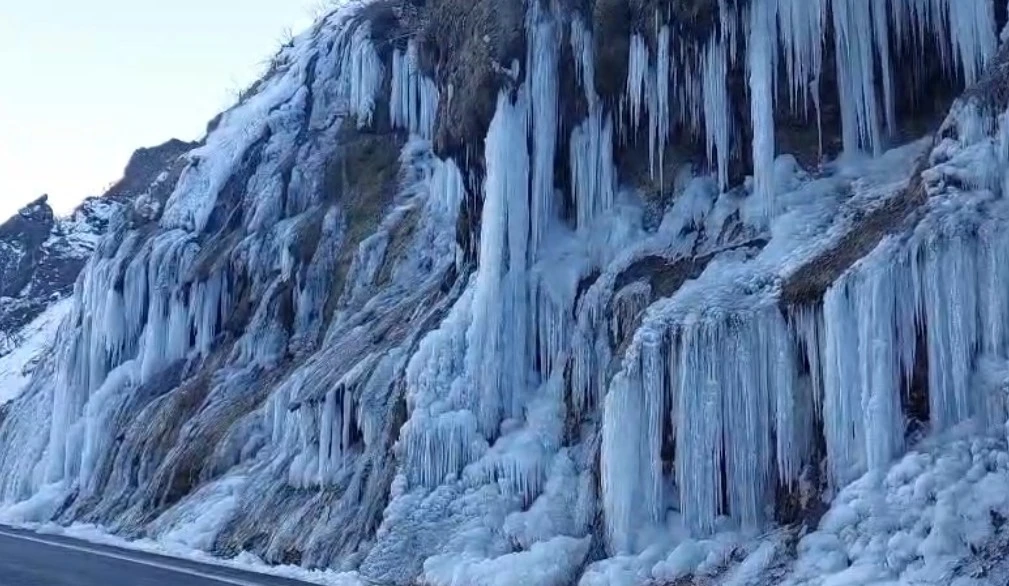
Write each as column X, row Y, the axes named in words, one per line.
column 21, row 240
column 144, row 167
column 808, row 284
column 465, row 44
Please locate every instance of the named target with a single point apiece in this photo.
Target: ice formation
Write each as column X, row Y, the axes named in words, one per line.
column 510, row 372
column 793, row 31
column 413, row 103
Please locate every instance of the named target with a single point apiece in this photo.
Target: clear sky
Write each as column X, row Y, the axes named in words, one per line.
column 83, row 83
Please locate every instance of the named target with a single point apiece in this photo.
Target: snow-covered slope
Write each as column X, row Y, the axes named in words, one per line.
column 620, row 292
column 29, row 347
column 41, row 256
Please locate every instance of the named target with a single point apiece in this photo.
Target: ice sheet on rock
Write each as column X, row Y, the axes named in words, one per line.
column 196, row 523
column 550, row 514
column 672, row 556
column 351, row 75
column 40, row 506
column 80, row 231
column 389, row 409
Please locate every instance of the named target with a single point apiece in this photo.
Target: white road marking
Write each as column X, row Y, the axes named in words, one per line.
column 127, row 558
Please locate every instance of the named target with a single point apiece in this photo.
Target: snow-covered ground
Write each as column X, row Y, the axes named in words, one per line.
column 34, row 341
column 930, row 519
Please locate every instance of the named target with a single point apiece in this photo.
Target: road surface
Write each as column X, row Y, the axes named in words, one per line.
column 30, row 559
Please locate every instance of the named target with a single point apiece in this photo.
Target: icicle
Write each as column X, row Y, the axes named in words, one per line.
column 792, row 401
column 590, row 352
column 635, row 96
column 689, row 90
column 593, row 171
column 328, row 446
column 553, row 323
column 699, row 437
column 498, row 336
column 399, row 99
column 627, row 307
column 413, row 104
column 207, row 299
column 843, row 431
column 653, row 388
column 856, row 74
column 659, row 112
column 802, row 31
column 717, row 114
column 543, row 90
column 807, row 329
column 585, row 67
column 880, row 361
column 881, row 28
column 762, row 67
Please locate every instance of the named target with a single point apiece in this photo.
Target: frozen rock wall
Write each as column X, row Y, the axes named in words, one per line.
column 537, row 294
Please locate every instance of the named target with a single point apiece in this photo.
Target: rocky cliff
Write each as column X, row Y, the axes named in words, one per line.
column 566, row 292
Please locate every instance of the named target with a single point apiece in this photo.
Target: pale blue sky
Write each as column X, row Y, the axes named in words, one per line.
column 83, row 83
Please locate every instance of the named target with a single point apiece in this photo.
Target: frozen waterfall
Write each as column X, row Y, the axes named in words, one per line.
column 365, row 350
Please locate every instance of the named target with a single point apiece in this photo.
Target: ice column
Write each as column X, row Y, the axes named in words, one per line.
column 498, row 337
column 593, row 172
column 544, row 44
column 856, row 74
column 717, row 121
column 413, row 103
column 762, row 68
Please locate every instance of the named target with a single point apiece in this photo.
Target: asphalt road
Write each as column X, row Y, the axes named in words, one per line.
column 29, row 559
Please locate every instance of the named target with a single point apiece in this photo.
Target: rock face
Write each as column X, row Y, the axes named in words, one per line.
column 482, row 292
column 23, row 237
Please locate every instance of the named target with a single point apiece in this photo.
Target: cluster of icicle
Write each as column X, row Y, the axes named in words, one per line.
column 675, row 84
column 152, row 303
column 743, row 424
column 414, row 100
column 143, row 303
column 477, row 370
